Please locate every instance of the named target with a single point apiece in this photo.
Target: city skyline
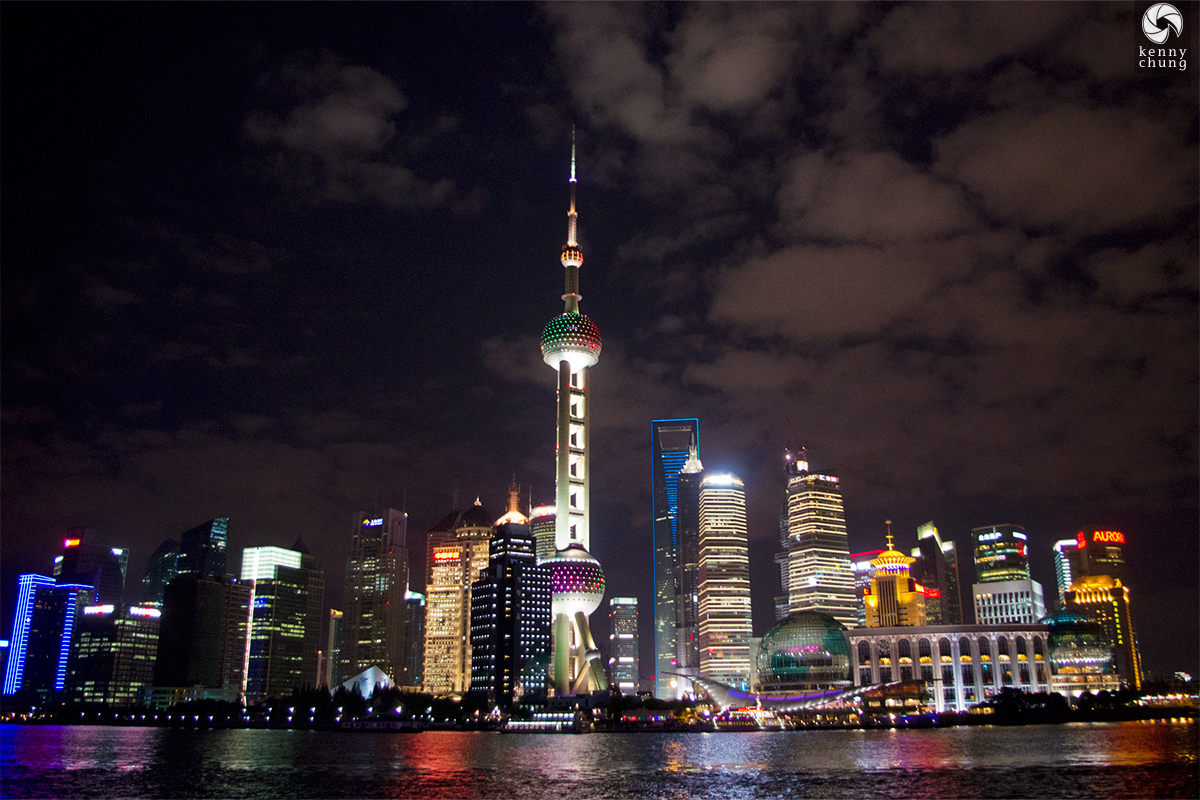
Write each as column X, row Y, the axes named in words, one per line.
column 301, row 270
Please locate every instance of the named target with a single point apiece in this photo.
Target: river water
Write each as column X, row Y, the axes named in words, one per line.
column 1132, row 759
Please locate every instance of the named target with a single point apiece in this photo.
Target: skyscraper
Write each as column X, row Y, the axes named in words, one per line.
column 936, row 568
column 202, row 549
column 818, row 557
column 457, row 558
column 332, row 658
column 285, row 626
column 202, row 635
column 1001, row 553
column 542, row 524
column 43, row 624
column 1098, row 553
column 1062, row 568
column 86, row 560
column 725, row 625
column 687, row 571
column 510, row 616
column 571, row 345
column 1106, row 600
column 18, row 643
column 414, row 637
column 161, row 567
column 374, row 609
column 113, row 654
column 672, row 441
column 623, row 663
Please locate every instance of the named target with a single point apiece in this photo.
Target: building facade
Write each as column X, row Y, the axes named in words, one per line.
column 113, row 654
column 818, row 558
column 46, row 616
column 455, row 563
column 893, row 598
column 936, row 569
column 1001, row 553
column 724, row 582
column 202, row 549
column 1106, row 600
column 286, row 619
column 1005, row 602
column 623, row 670
column 373, row 607
column 687, row 572
column 510, row 617
column 963, row 665
column 203, row 635
column 672, row 441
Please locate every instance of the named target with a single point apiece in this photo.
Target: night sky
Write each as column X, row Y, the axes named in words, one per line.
column 286, row 262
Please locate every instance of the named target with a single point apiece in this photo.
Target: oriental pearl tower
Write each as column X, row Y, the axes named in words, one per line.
column 571, row 345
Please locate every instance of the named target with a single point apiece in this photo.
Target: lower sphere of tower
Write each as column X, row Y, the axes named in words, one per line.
column 571, row 337
column 576, row 582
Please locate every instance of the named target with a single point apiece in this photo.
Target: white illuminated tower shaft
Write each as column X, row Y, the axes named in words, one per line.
column 571, row 344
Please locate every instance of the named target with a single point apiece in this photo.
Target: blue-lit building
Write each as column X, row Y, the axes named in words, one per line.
column 672, row 442
column 43, row 629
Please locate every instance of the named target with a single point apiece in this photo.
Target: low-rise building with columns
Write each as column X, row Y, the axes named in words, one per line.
column 963, row 664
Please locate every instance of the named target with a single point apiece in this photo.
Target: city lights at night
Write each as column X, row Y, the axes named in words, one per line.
column 282, row 282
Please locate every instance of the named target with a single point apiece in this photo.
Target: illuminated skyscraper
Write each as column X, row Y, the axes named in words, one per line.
column 112, row 655
column 862, row 567
column 818, row 558
column 43, row 624
column 333, row 649
column 457, row 558
column 376, row 580
column 1106, row 600
column 936, row 569
column 542, row 524
column 414, row 636
column 1001, row 553
column 623, row 663
column 687, row 571
column 1063, row 576
column 1098, row 553
column 571, row 345
column 725, row 625
column 672, row 441
column 893, row 599
column 510, row 616
column 285, row 625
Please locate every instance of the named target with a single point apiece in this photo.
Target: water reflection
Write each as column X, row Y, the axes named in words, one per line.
column 1115, row 759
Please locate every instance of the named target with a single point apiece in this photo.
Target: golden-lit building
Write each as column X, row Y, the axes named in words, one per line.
column 894, row 599
column 454, row 564
column 1106, row 600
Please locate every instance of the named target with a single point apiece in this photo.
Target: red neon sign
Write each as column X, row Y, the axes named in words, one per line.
column 1112, row 537
column 1080, row 540
column 444, row 556
column 70, row 543
column 932, row 593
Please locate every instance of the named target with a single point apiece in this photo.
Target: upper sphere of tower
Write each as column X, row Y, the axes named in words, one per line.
column 573, row 338
column 572, row 256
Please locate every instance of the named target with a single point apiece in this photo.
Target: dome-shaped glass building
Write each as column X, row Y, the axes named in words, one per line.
column 1081, row 655
column 806, row 651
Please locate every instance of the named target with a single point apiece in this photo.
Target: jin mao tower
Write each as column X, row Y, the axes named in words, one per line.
column 571, row 345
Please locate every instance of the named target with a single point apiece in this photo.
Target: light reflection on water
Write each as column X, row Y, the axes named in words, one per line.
column 1126, row 759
